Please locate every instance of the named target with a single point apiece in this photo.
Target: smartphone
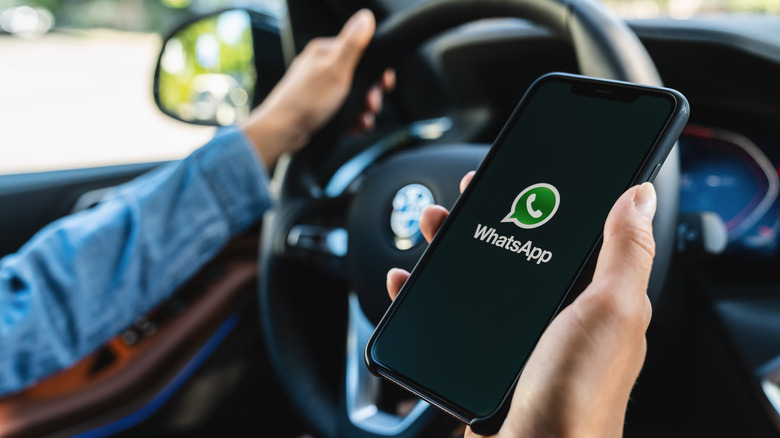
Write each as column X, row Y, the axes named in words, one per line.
column 478, row 300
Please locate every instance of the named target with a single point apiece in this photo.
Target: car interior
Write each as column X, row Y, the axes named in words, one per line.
column 268, row 338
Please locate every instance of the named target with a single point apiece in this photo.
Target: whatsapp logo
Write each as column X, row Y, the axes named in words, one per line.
column 534, row 206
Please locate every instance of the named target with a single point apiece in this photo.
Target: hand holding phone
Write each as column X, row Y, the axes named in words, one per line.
column 581, row 373
column 518, row 238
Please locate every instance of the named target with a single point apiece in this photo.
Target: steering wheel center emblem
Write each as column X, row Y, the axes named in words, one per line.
column 408, row 203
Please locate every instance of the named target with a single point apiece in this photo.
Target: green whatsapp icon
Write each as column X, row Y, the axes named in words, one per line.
column 534, row 206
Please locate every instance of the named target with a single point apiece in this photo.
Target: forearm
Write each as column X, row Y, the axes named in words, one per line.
column 86, row 277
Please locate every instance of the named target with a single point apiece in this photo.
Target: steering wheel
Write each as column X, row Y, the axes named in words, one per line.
column 318, row 224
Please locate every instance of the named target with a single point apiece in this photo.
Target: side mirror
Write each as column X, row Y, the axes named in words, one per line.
column 214, row 69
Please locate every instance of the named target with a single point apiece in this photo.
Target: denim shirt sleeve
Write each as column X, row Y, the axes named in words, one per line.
column 86, row 277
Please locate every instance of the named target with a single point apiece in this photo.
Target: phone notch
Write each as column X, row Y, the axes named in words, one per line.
column 605, row 91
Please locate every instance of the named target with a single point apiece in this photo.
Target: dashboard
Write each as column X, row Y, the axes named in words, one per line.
column 732, row 175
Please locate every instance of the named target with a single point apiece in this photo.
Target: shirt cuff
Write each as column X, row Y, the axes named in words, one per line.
column 236, row 173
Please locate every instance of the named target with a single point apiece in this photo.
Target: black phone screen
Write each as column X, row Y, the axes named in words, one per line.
column 482, row 295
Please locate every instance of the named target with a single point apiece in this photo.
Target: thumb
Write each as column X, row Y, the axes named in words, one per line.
column 627, row 253
column 354, row 38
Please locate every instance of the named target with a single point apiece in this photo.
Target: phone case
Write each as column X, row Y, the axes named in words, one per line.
column 490, row 424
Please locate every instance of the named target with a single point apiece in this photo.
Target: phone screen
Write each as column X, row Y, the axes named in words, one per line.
column 482, row 295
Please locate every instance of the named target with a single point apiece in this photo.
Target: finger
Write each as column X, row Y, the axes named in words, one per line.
column 363, row 122
column 431, row 219
column 388, row 80
column 395, row 281
column 374, row 99
column 367, row 120
column 354, row 38
column 619, row 285
column 466, row 180
column 468, row 433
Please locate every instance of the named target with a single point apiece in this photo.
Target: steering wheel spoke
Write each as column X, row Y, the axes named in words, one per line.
column 315, row 235
column 363, row 391
column 324, row 247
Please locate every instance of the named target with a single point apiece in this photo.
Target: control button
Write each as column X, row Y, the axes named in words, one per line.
column 655, row 172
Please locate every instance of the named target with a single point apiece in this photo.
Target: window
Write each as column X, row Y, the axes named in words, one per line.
column 76, row 83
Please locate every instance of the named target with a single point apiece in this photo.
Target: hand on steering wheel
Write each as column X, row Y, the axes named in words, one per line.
column 313, row 89
column 579, row 377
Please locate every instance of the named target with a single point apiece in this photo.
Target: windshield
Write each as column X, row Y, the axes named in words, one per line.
column 682, row 9
column 658, row 8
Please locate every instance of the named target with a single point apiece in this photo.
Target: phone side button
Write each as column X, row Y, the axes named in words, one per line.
column 656, row 169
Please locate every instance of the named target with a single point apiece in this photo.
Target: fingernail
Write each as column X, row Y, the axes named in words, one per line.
column 645, row 200
column 360, row 21
column 390, row 272
column 368, row 120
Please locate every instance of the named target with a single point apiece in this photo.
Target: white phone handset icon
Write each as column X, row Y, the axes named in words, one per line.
column 531, row 210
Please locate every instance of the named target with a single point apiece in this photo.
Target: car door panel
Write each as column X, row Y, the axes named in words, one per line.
column 30, row 201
